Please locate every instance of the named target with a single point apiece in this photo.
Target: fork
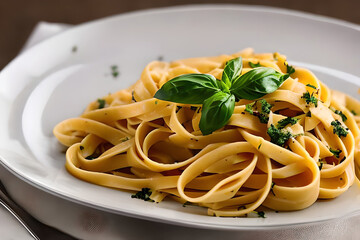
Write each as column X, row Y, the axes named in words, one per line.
column 37, row 229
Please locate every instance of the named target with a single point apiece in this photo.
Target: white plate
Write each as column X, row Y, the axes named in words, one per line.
column 50, row 83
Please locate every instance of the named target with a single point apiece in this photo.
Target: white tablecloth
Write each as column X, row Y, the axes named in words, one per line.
column 88, row 223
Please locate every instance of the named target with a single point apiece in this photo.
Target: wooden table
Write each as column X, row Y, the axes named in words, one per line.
column 18, row 17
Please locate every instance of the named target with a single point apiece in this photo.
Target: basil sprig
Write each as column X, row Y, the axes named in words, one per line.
column 218, row 96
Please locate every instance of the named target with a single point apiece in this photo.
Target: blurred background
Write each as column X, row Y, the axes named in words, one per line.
column 19, row 17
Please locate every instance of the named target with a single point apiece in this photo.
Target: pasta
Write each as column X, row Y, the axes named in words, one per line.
column 130, row 140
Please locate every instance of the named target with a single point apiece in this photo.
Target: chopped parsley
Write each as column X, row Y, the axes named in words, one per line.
column 248, row 108
column 114, row 71
column 261, row 214
column 144, row 194
column 289, row 69
column 101, row 103
column 278, row 136
column 353, row 112
column 286, row 121
column 336, row 152
column 321, row 165
column 259, row 146
column 310, row 98
column 340, row 113
column 265, row 106
column 339, row 129
column 263, row 114
column 255, row 65
column 81, row 147
column 312, row 86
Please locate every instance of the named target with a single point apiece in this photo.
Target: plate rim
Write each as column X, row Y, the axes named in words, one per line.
column 190, row 7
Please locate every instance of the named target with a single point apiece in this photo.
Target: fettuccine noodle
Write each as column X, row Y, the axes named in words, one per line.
column 136, row 141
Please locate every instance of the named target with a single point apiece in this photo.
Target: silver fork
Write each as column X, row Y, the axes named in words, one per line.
column 37, row 230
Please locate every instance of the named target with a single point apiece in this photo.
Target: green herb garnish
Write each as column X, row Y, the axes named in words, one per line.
column 261, row 214
column 248, row 108
column 265, row 106
column 101, row 103
column 341, row 114
column 257, row 83
column 312, row 86
column 265, row 111
column 339, row 129
column 289, row 69
column 286, row 121
column 310, row 98
column 144, row 194
column 218, row 96
column 321, row 165
column 81, row 147
column 232, row 71
column 255, row 65
column 219, row 109
column 263, row 114
column 278, row 136
column 353, row 112
column 336, row 152
column 114, row 71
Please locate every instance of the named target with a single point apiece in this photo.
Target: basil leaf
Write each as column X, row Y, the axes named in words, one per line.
column 255, row 65
column 188, row 89
column 232, row 71
column 222, row 86
column 257, row 82
column 216, row 112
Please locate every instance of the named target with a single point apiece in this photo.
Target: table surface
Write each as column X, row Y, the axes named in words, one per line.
column 18, row 17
